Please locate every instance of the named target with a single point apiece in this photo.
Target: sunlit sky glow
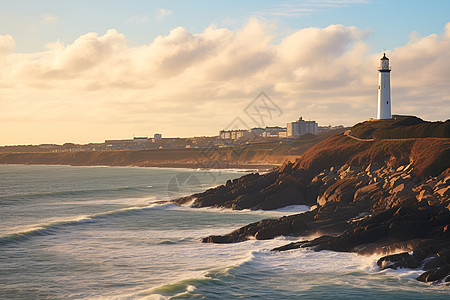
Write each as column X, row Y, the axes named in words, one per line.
column 86, row 71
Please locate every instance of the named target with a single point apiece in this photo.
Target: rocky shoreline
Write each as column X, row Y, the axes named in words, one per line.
column 384, row 197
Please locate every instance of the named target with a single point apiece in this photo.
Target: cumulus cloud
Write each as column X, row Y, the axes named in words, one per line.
column 49, row 19
column 162, row 13
column 7, row 43
column 185, row 84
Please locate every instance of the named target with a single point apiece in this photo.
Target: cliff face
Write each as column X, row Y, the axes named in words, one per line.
column 371, row 196
column 428, row 156
column 335, row 169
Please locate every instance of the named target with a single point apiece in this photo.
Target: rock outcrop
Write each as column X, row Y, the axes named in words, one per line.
column 367, row 197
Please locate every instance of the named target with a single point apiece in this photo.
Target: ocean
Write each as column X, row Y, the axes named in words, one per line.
column 103, row 233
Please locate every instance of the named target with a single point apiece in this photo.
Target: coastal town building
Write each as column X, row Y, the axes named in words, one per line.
column 254, row 133
column 234, row 134
column 384, row 89
column 301, row 127
column 329, row 128
column 257, row 131
column 273, row 131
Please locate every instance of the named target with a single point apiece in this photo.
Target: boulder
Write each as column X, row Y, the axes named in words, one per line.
column 341, row 191
column 399, row 169
column 435, row 274
column 400, row 260
column 444, row 192
column 285, row 196
column 367, row 192
column 270, row 232
column 395, row 181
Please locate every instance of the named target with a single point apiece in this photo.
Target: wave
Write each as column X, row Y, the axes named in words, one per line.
column 287, row 210
column 42, row 230
column 76, row 192
column 185, row 288
column 52, row 228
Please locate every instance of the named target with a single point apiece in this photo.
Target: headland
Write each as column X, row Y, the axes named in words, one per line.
column 383, row 187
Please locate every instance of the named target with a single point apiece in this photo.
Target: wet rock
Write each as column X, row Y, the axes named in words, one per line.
column 286, row 196
column 270, row 232
column 435, row 274
column 400, row 260
column 432, row 263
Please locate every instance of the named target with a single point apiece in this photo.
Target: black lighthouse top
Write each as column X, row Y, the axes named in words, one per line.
column 384, row 64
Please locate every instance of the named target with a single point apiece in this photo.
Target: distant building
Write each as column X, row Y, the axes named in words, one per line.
column 234, row 134
column 157, row 136
column 257, row 131
column 329, row 128
column 301, row 127
column 273, row 131
column 282, row 134
column 140, row 139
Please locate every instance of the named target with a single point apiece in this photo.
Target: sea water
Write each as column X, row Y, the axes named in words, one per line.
column 103, row 233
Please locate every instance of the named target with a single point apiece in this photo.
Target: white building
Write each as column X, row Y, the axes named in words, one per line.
column 301, row 127
column 384, row 89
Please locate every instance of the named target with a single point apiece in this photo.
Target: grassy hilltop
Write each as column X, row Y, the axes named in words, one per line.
column 401, row 127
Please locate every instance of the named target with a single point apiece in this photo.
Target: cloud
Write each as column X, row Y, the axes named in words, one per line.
column 185, row 84
column 49, row 19
column 162, row 13
column 7, row 43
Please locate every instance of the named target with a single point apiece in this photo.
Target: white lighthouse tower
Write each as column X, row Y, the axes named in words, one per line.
column 384, row 89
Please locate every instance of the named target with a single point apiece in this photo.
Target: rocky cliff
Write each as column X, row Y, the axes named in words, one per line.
column 378, row 195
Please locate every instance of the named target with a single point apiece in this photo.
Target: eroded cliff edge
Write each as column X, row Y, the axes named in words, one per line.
column 381, row 188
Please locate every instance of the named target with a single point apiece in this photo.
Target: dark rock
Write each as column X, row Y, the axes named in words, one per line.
column 444, row 192
column 435, row 274
column 388, row 261
column 401, row 260
column 432, row 263
column 298, row 227
column 342, row 190
column 267, row 233
column 286, row 196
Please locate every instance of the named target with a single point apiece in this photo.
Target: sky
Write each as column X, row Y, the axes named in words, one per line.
column 85, row 71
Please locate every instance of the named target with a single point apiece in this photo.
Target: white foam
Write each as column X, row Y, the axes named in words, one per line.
column 295, row 209
column 276, row 213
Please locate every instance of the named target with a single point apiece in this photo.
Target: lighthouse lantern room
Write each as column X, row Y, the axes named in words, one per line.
column 384, row 89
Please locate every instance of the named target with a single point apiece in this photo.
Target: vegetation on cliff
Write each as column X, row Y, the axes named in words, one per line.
column 400, row 127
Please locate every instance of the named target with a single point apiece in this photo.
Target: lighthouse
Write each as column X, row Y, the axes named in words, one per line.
column 384, row 89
